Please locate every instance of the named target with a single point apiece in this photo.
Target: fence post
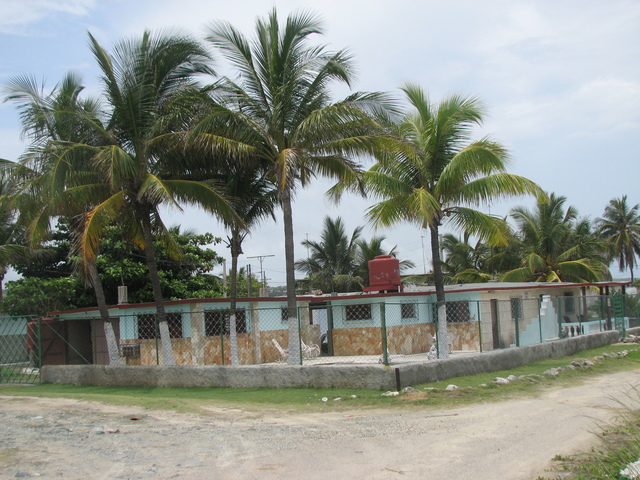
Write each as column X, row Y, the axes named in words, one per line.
column 383, row 327
column 40, row 344
column 517, row 319
column 478, row 310
column 299, row 336
column 559, row 314
column 330, row 329
column 157, row 335
column 540, row 318
column 223, row 321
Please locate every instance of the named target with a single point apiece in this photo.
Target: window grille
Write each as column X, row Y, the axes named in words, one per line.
column 147, row 328
column 516, row 308
column 217, row 322
column 408, row 311
column 457, row 311
column 358, row 312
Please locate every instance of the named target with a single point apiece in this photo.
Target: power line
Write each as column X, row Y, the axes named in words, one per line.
column 261, row 258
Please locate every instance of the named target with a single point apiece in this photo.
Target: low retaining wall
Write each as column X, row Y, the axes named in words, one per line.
column 374, row 377
column 412, row 374
column 251, row 376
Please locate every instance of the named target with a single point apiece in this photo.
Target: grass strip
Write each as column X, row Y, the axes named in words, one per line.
column 471, row 389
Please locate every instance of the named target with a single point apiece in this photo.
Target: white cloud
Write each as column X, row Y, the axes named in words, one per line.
column 16, row 15
column 560, row 80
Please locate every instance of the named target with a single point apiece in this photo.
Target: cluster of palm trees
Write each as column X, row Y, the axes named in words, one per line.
column 240, row 147
column 550, row 244
column 340, row 263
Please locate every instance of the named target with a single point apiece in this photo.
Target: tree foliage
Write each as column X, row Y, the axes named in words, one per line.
column 556, row 245
column 39, row 296
column 620, row 228
column 339, row 262
column 277, row 110
column 119, row 263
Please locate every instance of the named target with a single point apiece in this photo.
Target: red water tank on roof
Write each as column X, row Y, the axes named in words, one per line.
column 384, row 274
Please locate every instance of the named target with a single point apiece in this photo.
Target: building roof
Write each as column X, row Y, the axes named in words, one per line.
column 411, row 290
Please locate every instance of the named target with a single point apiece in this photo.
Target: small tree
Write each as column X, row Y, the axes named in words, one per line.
column 620, row 228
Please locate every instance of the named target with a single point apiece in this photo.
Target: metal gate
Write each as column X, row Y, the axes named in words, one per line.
column 28, row 343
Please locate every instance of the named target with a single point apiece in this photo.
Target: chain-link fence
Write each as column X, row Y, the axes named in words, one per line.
column 336, row 331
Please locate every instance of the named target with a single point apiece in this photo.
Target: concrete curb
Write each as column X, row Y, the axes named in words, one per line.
column 374, row 377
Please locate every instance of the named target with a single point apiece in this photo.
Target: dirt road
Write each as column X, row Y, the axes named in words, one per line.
column 510, row 440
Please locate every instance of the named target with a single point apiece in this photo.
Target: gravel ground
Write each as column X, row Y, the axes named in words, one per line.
column 510, row 440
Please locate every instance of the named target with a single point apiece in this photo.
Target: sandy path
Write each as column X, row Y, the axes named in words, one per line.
column 510, row 440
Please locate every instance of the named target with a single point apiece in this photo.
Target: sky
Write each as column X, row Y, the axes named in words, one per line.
column 560, row 81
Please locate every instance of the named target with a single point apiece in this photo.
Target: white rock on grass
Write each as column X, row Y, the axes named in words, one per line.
column 512, row 378
column 451, row 387
column 390, row 394
column 407, row 389
column 632, row 470
column 500, row 380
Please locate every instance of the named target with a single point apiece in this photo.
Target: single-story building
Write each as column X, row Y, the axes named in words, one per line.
column 480, row 317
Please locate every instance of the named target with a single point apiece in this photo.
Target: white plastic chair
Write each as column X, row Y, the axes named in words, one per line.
column 284, row 354
column 309, row 352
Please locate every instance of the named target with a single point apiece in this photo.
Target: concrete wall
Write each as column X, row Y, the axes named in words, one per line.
column 412, row 374
column 375, row 377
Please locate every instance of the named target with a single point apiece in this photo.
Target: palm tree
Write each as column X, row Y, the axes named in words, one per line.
column 45, row 183
column 143, row 80
column 557, row 246
column 10, row 230
column 331, row 265
column 253, row 199
column 465, row 263
column 620, row 227
column 278, row 111
column 442, row 177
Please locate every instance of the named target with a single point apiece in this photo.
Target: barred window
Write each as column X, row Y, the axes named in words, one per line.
column 458, row 311
column 147, row 325
column 358, row 312
column 516, row 308
column 408, row 310
column 217, row 322
column 174, row 320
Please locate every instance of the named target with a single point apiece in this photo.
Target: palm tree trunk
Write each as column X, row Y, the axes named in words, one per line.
column 294, row 332
column 163, row 327
column 3, row 272
column 236, row 250
column 443, row 341
column 109, row 334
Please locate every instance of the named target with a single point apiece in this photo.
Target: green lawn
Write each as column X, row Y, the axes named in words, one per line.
column 429, row 395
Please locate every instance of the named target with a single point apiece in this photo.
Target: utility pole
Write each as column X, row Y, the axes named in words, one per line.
column 261, row 258
column 249, row 286
column 424, row 259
